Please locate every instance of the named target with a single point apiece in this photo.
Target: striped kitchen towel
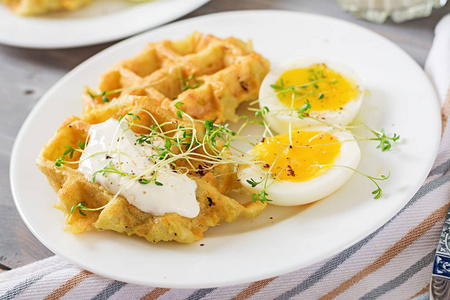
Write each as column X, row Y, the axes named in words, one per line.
column 394, row 262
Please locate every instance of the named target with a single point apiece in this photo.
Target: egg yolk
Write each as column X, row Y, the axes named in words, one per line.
column 323, row 87
column 306, row 158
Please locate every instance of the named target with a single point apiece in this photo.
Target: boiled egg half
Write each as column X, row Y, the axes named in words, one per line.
column 301, row 167
column 333, row 92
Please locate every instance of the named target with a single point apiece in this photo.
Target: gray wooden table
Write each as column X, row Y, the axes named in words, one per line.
column 25, row 75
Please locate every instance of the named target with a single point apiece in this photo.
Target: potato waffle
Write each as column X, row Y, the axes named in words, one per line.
column 119, row 215
column 210, row 76
column 39, row 7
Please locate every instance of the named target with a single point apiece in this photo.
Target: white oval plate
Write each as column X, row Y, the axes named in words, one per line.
column 281, row 239
column 102, row 21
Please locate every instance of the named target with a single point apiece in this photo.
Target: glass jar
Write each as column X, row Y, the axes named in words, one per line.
column 398, row 10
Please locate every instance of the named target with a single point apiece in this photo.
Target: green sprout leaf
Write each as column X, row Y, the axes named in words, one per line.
column 304, row 110
column 262, row 112
column 60, row 161
column 179, row 110
column 81, row 206
column 186, row 84
column 278, row 87
column 252, row 182
column 69, row 151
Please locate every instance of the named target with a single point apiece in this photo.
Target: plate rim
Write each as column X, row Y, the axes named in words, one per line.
column 124, row 43
column 13, row 42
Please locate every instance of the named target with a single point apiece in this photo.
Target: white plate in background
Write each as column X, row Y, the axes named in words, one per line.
column 100, row 22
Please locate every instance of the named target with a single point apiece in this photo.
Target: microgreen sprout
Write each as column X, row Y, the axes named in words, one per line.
column 262, row 196
column 143, row 181
column 133, row 116
column 70, row 151
column 262, row 112
column 186, row 83
column 278, row 87
column 378, row 191
column 109, row 168
column 103, row 95
column 60, row 161
column 146, row 181
column 259, row 113
column 215, row 132
column 253, row 183
column 303, row 111
column 179, row 110
column 144, row 139
column 81, row 207
column 385, row 141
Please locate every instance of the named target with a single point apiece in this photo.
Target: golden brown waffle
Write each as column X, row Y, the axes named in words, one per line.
column 73, row 187
column 210, row 76
column 39, row 7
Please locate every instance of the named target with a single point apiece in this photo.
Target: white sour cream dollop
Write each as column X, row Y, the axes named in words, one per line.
column 112, row 143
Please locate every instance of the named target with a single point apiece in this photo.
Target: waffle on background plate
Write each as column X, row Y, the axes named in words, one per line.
column 218, row 75
column 40, row 7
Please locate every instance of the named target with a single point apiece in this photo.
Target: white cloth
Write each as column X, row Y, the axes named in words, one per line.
column 437, row 65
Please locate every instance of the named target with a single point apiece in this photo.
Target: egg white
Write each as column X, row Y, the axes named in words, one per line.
column 282, row 122
column 288, row 193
